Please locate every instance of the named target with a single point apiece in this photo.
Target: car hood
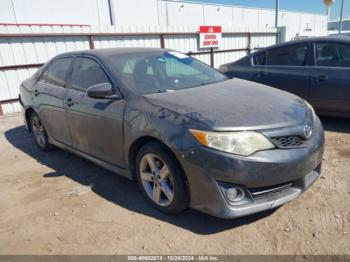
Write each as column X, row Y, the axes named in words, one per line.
column 235, row 105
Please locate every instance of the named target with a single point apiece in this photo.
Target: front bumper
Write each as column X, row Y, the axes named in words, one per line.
column 272, row 201
column 206, row 169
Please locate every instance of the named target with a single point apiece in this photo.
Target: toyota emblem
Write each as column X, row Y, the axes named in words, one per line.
column 307, row 130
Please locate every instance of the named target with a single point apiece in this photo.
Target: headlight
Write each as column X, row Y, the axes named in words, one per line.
column 311, row 109
column 240, row 143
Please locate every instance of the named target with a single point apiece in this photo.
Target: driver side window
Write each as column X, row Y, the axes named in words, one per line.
column 332, row 54
column 87, row 72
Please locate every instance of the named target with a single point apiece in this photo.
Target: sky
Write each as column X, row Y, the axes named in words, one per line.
column 314, row 6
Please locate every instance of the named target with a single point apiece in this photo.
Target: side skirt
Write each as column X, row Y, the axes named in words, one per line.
column 125, row 172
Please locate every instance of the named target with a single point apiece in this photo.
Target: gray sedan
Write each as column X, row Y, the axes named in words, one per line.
column 190, row 136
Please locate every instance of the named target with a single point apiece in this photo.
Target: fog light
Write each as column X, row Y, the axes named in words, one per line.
column 234, row 194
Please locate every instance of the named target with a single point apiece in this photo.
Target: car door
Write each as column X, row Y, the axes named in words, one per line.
column 49, row 93
column 285, row 67
column 330, row 84
column 96, row 125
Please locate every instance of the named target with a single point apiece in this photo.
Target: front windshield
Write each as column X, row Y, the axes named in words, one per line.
column 163, row 71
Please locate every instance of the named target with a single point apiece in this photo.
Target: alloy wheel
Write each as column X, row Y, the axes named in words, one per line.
column 38, row 131
column 157, row 180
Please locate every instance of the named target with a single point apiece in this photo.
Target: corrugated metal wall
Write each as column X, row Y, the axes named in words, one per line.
column 157, row 13
column 35, row 50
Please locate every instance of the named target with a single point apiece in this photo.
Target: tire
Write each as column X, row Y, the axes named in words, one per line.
column 39, row 133
column 168, row 176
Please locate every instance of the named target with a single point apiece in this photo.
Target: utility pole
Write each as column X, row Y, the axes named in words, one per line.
column 203, row 14
column 277, row 11
column 341, row 17
column 328, row 13
column 111, row 12
column 276, row 20
column 328, row 3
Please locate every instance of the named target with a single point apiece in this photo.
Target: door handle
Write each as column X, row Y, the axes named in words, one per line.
column 69, row 102
column 261, row 74
column 36, row 92
column 321, row 78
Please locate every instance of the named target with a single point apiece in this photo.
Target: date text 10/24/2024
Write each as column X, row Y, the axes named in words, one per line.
column 172, row 258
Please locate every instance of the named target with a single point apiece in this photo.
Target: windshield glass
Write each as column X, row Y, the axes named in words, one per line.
column 163, row 71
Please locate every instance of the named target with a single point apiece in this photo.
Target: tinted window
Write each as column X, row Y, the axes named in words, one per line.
column 87, row 72
column 260, row 59
column 332, row 54
column 57, row 71
column 291, row 55
column 160, row 71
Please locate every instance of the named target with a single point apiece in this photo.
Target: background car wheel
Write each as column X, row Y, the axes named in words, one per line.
column 39, row 132
column 161, row 178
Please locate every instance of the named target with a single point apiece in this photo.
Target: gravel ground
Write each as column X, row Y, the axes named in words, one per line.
column 57, row 203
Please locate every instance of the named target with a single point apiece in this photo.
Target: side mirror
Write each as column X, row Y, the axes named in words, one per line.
column 102, row 91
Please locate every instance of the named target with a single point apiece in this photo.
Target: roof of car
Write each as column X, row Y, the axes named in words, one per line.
column 103, row 52
column 333, row 38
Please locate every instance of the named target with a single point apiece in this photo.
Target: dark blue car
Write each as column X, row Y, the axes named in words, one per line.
column 316, row 69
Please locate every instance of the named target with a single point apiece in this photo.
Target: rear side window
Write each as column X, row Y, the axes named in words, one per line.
column 57, row 72
column 332, row 54
column 290, row 55
column 87, row 72
column 260, row 59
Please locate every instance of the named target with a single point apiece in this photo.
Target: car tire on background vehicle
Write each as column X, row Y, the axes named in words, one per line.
column 161, row 178
column 39, row 132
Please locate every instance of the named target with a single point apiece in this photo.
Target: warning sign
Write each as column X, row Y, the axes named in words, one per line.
column 209, row 36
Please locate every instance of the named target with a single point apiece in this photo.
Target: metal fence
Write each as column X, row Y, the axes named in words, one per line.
column 25, row 48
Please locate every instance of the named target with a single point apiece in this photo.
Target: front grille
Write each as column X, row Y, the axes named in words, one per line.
column 265, row 191
column 288, row 141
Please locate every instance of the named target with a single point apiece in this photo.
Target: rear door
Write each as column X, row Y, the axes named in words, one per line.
column 330, row 84
column 285, row 68
column 49, row 93
column 96, row 125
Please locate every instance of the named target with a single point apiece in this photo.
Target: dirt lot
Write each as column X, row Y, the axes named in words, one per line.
column 57, row 203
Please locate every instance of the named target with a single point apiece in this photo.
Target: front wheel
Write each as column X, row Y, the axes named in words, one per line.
column 161, row 178
column 39, row 132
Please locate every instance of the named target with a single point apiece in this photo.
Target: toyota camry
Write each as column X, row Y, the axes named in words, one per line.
column 189, row 135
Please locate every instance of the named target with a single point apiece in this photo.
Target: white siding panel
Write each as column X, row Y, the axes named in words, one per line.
column 131, row 12
column 260, row 41
column 11, row 108
column 4, row 87
column 238, row 17
column 10, row 81
column 7, row 14
column 266, row 18
column 183, row 43
column 13, row 81
column 6, row 55
column 57, row 12
column 217, row 15
column 31, row 50
column 126, row 41
column 181, row 13
column 251, row 17
column 234, row 41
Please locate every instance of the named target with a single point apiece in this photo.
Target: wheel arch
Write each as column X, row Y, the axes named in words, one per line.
column 27, row 114
column 140, row 142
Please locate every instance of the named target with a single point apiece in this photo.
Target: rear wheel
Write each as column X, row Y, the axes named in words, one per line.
column 39, row 132
column 161, row 178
